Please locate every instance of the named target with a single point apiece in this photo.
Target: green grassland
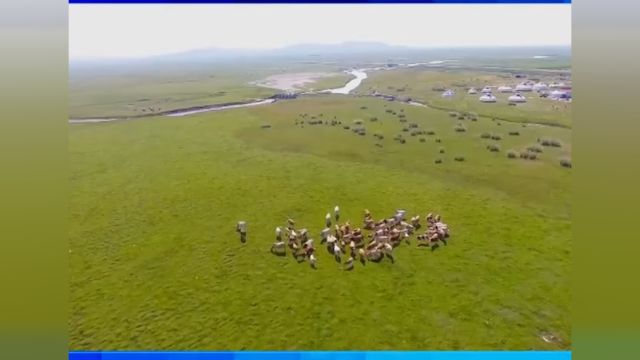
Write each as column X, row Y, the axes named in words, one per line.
column 419, row 84
column 135, row 90
column 155, row 262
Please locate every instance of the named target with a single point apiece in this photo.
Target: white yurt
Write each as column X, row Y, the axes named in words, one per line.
column 557, row 94
column 505, row 89
column 448, row 93
column 473, row 91
column 487, row 90
column 488, row 98
column 524, row 87
column 517, row 98
column 540, row 87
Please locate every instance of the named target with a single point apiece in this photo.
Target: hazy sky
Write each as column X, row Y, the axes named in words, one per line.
column 143, row 30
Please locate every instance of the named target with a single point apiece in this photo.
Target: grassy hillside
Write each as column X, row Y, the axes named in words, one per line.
column 419, row 84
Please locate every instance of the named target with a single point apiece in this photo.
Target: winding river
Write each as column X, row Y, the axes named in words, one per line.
column 359, row 74
column 351, row 85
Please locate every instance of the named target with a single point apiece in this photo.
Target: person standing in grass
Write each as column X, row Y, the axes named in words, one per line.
column 242, row 229
column 328, row 219
column 336, row 212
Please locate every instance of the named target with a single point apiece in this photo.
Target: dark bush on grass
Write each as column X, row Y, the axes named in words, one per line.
column 496, row 137
column 266, row 126
column 441, row 150
column 493, row 147
column 373, row 119
column 459, row 158
column 388, row 110
column 403, row 120
column 528, row 155
column 438, row 140
column 514, row 133
column 512, row 154
column 453, row 114
column 460, row 128
column 423, row 139
column 413, row 125
column 363, row 108
column 566, row 162
column 438, row 161
column 357, row 122
column 402, row 141
column 485, row 135
column 550, row 142
column 535, row 149
column 346, row 127
column 405, row 129
column 460, row 117
column 430, row 132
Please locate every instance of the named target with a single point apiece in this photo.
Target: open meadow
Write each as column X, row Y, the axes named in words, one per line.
column 155, row 261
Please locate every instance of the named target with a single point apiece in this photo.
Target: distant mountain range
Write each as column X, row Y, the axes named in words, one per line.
column 350, row 49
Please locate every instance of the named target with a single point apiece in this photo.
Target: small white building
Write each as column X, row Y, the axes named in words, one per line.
column 505, row 89
column 487, row 90
column 488, row 98
column 524, row 87
column 540, row 87
column 517, row 98
column 473, row 91
column 448, row 94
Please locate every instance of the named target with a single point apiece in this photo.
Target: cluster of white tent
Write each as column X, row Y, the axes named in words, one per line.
column 526, row 86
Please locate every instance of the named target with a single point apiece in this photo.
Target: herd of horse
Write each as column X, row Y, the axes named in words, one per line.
column 375, row 241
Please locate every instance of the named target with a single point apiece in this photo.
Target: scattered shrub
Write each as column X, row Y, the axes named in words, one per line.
column 565, row 162
column 438, row 161
column 460, row 128
column 550, row 142
column 413, row 125
column 402, row 141
column 485, row 135
column 529, row 155
column 493, row 147
column 388, row 110
column 346, row 127
column 499, row 124
column 373, row 119
column 363, row 108
column 534, row 148
column 496, row 137
column 514, row 133
column 453, row 114
column 431, row 132
column 357, row 122
column 512, row 154
column 438, row 140
column 405, row 129
column 459, row 158
column 422, row 139
column 460, row 117
column 266, row 126
column 403, row 120
column 441, row 150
